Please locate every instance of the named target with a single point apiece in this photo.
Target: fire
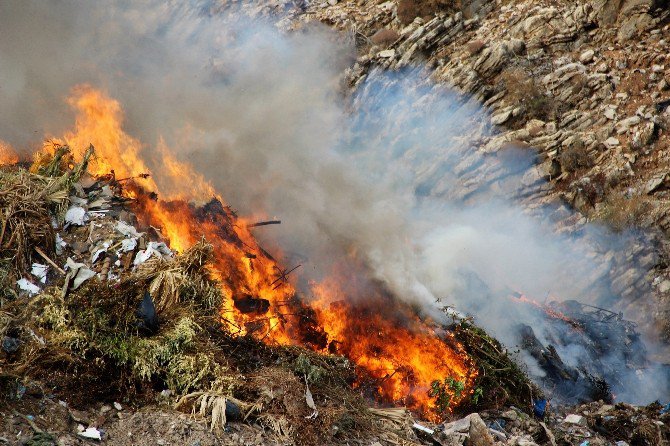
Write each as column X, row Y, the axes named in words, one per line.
column 548, row 310
column 391, row 343
column 7, row 154
column 400, row 354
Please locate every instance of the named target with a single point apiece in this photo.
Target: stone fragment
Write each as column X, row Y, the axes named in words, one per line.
column 587, row 56
column 386, row 54
column 479, row 433
column 655, row 183
column 462, row 425
column 625, row 124
column 611, row 142
column 501, row 118
column 647, row 133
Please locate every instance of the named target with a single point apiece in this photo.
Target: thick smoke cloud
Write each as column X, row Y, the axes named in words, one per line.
column 391, row 176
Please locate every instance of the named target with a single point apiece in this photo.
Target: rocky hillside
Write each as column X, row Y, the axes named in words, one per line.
column 584, row 83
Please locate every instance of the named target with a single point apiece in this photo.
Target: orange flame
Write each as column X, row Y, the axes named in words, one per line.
column 385, row 338
column 7, row 154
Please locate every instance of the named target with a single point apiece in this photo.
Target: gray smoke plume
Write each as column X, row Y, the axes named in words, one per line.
column 393, row 175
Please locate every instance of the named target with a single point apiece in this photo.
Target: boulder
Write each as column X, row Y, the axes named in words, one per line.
column 632, row 16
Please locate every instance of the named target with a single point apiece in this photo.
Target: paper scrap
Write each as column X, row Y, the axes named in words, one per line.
column 78, row 272
column 28, row 286
column 40, row 271
column 91, row 433
column 76, row 215
column 127, row 230
column 129, row 244
column 153, row 249
column 60, row 244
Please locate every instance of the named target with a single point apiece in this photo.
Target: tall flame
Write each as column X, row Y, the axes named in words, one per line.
column 384, row 337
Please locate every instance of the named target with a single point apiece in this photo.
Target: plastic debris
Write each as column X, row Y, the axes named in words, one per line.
column 91, row 433
column 78, row 273
column 158, row 249
column 423, row 429
column 129, row 244
column 28, row 286
column 60, row 244
column 310, row 402
column 147, row 314
column 575, row 419
column 127, row 230
column 10, row 345
column 100, row 250
column 40, row 271
column 76, row 215
column 539, row 408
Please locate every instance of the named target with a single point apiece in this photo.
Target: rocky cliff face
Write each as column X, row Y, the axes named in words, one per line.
column 585, row 83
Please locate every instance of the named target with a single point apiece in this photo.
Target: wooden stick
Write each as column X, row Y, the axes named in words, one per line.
column 49, row 261
column 264, row 223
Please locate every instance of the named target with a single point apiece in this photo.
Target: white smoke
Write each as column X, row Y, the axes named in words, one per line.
column 393, row 173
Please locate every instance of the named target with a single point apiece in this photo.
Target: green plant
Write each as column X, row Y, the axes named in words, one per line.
column 477, row 395
column 444, row 391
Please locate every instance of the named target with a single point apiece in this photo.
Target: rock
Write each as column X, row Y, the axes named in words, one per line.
column 575, row 419
column 587, row 56
column 663, row 85
column 647, row 133
column 501, row 118
column 624, row 125
column 384, row 37
column 664, row 286
column 657, row 68
column 611, row 142
column 462, row 425
column 332, row 2
column 492, row 59
column 386, row 54
column 655, row 183
column 479, row 433
column 610, row 113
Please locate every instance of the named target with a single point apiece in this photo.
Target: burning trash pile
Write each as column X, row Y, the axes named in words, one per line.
column 95, row 303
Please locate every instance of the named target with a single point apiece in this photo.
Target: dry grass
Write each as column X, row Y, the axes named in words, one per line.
column 523, row 89
column 408, row 10
column 621, row 212
column 475, row 46
column 574, row 157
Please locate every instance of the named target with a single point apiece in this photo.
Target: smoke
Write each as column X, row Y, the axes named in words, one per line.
column 393, row 176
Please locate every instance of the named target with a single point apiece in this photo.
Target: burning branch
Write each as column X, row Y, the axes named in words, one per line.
column 282, row 276
column 264, row 223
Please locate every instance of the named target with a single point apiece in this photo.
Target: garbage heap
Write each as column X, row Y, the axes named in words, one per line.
column 94, row 310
